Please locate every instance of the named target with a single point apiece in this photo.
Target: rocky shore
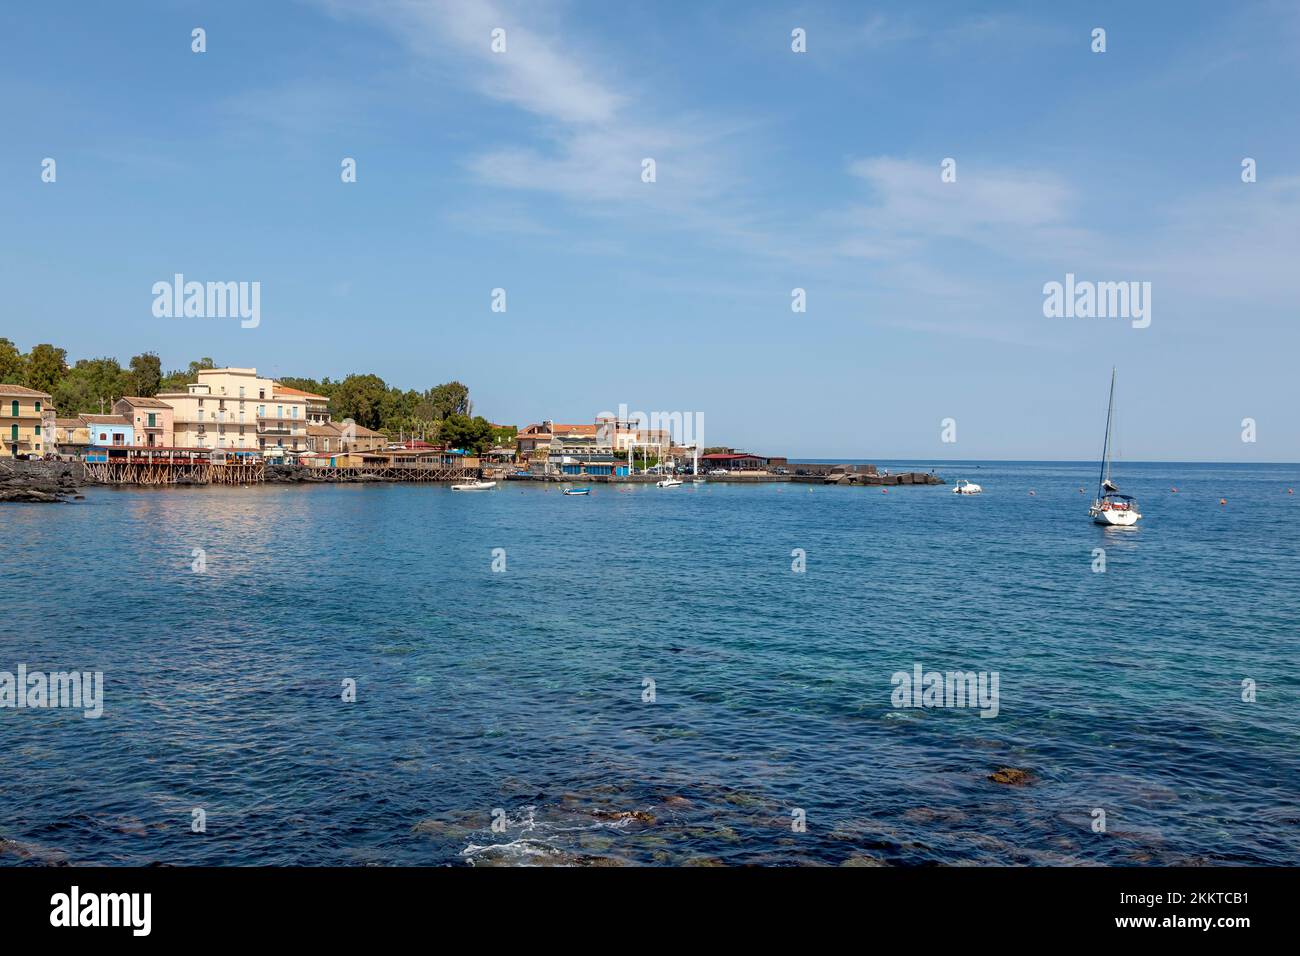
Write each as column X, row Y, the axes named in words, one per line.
column 39, row 481
column 300, row 475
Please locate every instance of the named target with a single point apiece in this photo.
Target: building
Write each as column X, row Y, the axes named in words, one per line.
column 338, row 459
column 151, row 420
column 622, row 435
column 22, row 425
column 109, row 431
column 317, row 406
column 330, row 437
column 733, row 461
column 71, row 436
column 236, row 408
column 532, row 438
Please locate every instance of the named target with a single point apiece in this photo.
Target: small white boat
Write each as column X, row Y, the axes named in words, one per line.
column 577, row 491
column 1110, row 508
column 964, row 487
column 668, row 482
column 697, row 481
column 474, row 486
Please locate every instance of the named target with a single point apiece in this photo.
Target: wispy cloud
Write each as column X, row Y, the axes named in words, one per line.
column 589, row 132
column 910, row 206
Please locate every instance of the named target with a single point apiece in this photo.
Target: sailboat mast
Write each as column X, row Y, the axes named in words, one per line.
column 1105, row 449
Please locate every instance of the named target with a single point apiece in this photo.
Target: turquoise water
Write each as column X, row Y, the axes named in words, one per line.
column 522, row 691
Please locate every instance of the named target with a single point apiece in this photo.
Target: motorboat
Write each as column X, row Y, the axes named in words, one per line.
column 964, row 487
column 474, row 486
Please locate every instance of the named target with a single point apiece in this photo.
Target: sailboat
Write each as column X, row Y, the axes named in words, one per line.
column 1110, row 508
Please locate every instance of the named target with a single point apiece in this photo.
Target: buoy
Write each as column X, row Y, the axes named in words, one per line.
column 1032, row 493
column 1290, row 491
column 884, row 491
column 1174, row 490
column 1223, row 501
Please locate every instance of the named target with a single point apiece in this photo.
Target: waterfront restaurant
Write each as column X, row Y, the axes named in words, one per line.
column 594, row 464
column 734, row 461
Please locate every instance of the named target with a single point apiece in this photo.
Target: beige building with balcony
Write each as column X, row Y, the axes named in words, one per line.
column 152, row 419
column 22, row 424
column 235, row 408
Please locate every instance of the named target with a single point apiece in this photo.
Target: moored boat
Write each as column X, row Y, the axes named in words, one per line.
column 1110, row 508
column 474, row 486
column 964, row 487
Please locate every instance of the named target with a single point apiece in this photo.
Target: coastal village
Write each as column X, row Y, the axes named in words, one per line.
column 233, row 426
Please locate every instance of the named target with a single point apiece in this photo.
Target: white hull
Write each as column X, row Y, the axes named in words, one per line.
column 668, row 483
column 1113, row 518
column 475, row 486
column 967, row 488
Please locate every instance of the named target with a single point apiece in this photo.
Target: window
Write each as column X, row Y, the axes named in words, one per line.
column 13, row 433
column 38, row 406
column 14, row 412
column 153, row 423
column 38, row 430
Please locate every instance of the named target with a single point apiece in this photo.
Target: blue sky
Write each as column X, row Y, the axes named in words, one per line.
column 775, row 170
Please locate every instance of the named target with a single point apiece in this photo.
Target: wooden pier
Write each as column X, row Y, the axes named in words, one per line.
column 144, row 465
column 392, row 473
column 150, row 466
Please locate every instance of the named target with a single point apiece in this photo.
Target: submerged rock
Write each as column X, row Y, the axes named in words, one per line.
column 641, row 816
column 1011, row 776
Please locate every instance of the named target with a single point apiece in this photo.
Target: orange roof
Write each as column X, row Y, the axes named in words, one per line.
column 279, row 389
column 575, row 429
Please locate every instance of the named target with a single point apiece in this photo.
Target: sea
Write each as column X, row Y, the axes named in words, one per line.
column 389, row 674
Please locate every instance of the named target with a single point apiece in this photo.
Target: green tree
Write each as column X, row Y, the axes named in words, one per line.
column 361, row 398
column 45, row 367
column 177, row 380
column 451, row 398
column 11, row 363
column 146, row 375
column 322, row 387
column 92, row 385
column 471, row 434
